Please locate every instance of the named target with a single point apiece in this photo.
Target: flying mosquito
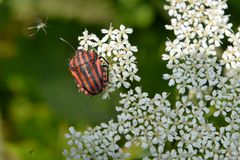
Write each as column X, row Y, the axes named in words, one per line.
column 40, row 25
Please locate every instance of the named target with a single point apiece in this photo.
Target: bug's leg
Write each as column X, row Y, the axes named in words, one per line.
column 81, row 88
column 44, row 30
column 100, row 57
column 107, row 73
column 33, row 34
column 32, row 27
column 105, row 76
column 86, row 92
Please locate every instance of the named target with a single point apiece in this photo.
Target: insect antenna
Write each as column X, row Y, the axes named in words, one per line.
column 67, row 43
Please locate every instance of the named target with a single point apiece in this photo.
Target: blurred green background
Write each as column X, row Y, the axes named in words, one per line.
column 38, row 97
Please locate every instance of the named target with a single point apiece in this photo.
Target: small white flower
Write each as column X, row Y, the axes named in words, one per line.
column 108, row 34
column 85, row 40
column 123, row 32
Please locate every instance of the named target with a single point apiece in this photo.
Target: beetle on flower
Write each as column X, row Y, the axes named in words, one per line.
column 112, row 56
column 89, row 72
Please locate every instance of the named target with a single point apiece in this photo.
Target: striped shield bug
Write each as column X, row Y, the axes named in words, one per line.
column 89, row 71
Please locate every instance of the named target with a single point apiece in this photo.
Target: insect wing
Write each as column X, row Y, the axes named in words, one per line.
column 91, row 73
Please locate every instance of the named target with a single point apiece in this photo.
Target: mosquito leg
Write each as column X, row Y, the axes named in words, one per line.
column 32, row 27
column 44, row 30
column 33, row 34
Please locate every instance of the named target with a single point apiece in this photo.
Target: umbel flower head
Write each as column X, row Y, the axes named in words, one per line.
column 203, row 122
column 115, row 47
column 231, row 57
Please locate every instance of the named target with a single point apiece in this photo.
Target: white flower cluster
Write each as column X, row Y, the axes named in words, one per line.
column 199, row 26
column 231, row 57
column 198, row 74
column 98, row 143
column 141, row 121
column 203, row 123
column 116, row 49
column 194, row 137
column 144, row 121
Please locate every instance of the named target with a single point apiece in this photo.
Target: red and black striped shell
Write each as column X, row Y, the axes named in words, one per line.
column 89, row 74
